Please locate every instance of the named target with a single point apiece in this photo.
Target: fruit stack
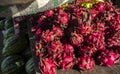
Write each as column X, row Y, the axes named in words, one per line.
column 78, row 35
column 16, row 51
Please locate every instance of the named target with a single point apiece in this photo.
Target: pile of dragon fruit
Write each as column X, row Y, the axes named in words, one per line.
column 78, row 35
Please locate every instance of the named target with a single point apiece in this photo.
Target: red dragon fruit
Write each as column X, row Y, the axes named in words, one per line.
column 38, row 48
column 93, row 13
column 47, row 36
column 99, row 27
column 100, row 6
column 55, row 48
column 96, row 39
column 63, row 19
column 47, row 66
column 57, row 31
column 115, row 24
column 107, row 58
column 66, row 61
column 87, row 50
column 49, row 13
column 38, row 32
column 114, row 40
column 85, row 29
column 86, row 63
column 76, row 39
column 68, row 48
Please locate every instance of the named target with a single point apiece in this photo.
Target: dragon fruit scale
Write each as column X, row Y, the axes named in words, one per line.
column 107, row 58
column 66, row 61
column 86, row 63
column 47, row 66
column 76, row 39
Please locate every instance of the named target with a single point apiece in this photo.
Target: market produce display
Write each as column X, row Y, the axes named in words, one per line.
column 16, row 51
column 77, row 35
column 12, row 65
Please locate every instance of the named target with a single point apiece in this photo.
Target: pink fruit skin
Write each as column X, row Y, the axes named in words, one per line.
column 96, row 39
column 100, row 6
column 37, row 49
column 47, row 36
column 66, row 61
column 57, row 31
column 86, row 50
column 55, row 49
column 47, row 66
column 86, row 63
column 76, row 39
column 68, row 48
column 107, row 58
column 49, row 13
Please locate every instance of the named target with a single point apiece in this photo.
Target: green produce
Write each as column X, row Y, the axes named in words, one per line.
column 87, row 5
column 2, row 24
column 12, row 65
column 14, row 45
column 27, row 53
column 96, row 1
column 9, row 33
column 8, row 23
column 30, row 66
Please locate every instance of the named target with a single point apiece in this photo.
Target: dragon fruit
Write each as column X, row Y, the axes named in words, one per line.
column 57, row 31
column 85, row 29
column 100, row 6
column 93, row 13
column 62, row 17
column 38, row 48
column 66, row 61
column 87, row 50
column 96, row 39
column 47, row 36
column 76, row 39
column 47, row 66
column 55, row 48
column 107, row 58
column 114, row 40
column 49, row 13
column 68, row 48
column 99, row 27
column 85, row 63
